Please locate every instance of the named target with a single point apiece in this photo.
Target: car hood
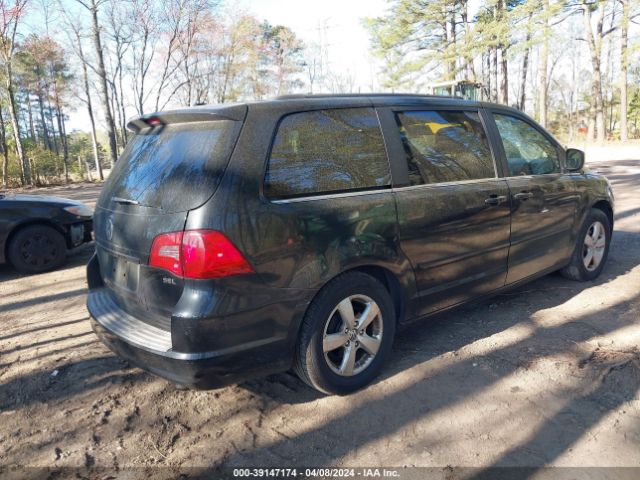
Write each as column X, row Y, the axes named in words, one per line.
column 50, row 200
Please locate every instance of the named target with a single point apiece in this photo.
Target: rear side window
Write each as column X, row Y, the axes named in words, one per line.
column 327, row 151
column 174, row 167
column 445, row 146
column 528, row 151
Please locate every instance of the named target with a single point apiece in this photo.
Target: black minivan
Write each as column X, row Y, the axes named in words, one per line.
column 238, row 240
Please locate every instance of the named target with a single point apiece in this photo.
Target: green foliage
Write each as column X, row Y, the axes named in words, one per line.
column 415, row 36
column 634, row 111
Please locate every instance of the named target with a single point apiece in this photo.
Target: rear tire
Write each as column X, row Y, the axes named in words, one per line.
column 592, row 248
column 36, row 249
column 346, row 334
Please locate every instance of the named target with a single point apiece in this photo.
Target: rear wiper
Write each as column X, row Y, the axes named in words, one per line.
column 128, row 201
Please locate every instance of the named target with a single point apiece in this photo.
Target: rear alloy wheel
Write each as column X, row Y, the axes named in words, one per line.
column 36, row 249
column 352, row 335
column 592, row 248
column 346, row 334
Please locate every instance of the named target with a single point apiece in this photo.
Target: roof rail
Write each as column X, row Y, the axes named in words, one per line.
column 364, row 95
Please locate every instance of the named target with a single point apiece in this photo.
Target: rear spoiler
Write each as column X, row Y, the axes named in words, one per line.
column 235, row 112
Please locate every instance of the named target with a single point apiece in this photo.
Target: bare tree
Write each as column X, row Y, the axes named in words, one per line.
column 92, row 6
column 145, row 27
column 173, row 13
column 624, row 64
column 543, row 67
column 76, row 43
column 122, row 38
column 595, row 50
column 11, row 12
column 5, row 150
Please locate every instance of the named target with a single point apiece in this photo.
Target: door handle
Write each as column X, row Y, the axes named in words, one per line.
column 495, row 199
column 523, row 195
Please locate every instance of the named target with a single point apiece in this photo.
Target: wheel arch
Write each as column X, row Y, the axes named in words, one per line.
column 385, row 276
column 390, row 282
column 606, row 207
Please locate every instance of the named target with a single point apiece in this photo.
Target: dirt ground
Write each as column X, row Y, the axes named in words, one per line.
column 548, row 374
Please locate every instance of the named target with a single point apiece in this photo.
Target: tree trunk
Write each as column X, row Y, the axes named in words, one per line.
column 468, row 56
column 34, row 171
column 32, row 130
column 454, row 47
column 102, row 74
column 45, row 129
column 5, row 151
column 445, row 29
column 624, row 60
column 88, row 167
column 87, row 92
column 494, row 74
column 504, row 76
column 595, row 48
column 116, row 114
column 123, row 114
column 13, row 114
column 523, row 78
column 488, row 73
column 63, row 140
column 56, row 149
column 544, row 60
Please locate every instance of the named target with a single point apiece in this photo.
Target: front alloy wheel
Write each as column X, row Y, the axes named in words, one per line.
column 592, row 247
column 595, row 242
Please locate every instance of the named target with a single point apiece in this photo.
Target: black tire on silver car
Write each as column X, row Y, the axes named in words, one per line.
column 37, row 248
column 346, row 334
column 592, row 248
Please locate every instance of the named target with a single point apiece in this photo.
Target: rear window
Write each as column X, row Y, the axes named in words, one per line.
column 327, row 151
column 176, row 167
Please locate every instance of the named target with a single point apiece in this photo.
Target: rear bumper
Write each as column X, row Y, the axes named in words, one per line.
column 150, row 348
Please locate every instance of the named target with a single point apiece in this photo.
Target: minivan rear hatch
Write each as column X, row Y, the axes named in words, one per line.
column 172, row 164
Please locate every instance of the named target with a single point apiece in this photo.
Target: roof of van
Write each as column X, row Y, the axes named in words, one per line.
column 237, row 111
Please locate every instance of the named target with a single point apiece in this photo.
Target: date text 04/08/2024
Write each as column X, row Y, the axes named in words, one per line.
column 315, row 473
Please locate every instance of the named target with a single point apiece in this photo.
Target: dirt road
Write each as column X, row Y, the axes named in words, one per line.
column 545, row 375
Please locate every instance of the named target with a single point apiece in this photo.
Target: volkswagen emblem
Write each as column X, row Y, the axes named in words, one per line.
column 109, row 229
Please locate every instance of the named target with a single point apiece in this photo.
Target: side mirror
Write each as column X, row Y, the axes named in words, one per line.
column 575, row 159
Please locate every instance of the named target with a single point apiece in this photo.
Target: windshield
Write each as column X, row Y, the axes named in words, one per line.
column 176, row 167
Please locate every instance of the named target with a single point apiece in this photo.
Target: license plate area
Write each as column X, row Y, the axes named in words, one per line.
column 119, row 272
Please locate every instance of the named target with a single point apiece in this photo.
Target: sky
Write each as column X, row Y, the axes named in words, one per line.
column 338, row 21
column 337, row 25
column 347, row 41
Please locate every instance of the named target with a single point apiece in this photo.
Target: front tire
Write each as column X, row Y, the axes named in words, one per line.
column 36, row 249
column 346, row 335
column 592, row 248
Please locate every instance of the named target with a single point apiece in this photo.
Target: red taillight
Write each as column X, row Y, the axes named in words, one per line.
column 198, row 254
column 165, row 252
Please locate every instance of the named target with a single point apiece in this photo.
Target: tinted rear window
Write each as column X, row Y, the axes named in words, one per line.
column 176, row 167
column 327, row 151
